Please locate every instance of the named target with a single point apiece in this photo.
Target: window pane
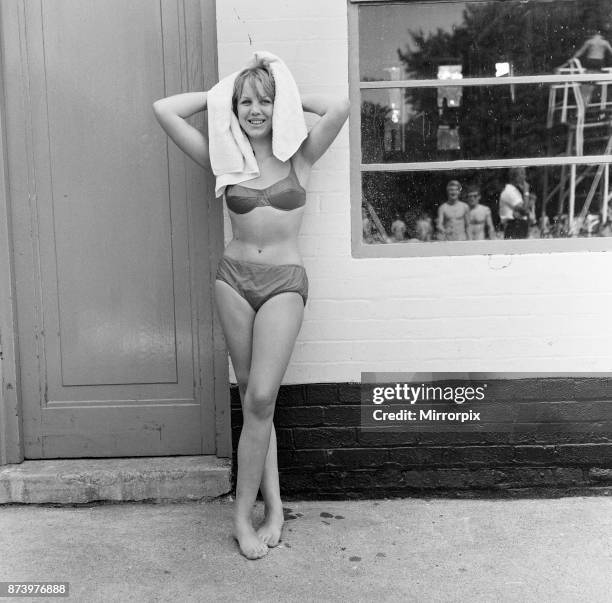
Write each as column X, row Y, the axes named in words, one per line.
column 485, row 122
column 457, row 205
column 480, row 39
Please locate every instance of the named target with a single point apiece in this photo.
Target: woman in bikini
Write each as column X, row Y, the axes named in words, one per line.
column 261, row 285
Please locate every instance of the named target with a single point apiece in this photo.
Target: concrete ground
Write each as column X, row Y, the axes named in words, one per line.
column 388, row 550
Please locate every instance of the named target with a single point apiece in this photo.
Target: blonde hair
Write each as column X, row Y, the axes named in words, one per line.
column 259, row 73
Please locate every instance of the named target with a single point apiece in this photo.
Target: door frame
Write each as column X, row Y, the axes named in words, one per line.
column 11, row 438
column 214, row 376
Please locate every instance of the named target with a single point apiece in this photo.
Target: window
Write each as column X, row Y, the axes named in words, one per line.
column 480, row 127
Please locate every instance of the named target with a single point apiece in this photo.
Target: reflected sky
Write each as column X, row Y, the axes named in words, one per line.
column 388, row 26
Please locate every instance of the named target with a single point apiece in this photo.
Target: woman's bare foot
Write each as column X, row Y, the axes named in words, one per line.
column 270, row 530
column 250, row 544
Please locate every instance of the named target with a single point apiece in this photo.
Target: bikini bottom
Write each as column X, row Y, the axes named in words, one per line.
column 258, row 282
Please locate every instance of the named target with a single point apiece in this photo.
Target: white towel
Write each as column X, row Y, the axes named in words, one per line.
column 231, row 155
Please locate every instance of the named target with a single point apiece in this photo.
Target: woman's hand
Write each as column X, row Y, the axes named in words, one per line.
column 171, row 113
column 333, row 112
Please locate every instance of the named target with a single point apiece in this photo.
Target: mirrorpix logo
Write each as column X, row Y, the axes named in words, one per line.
column 396, row 395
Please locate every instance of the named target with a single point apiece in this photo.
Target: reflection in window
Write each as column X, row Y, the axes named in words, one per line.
column 535, row 37
column 486, row 204
column 454, row 106
column 485, row 122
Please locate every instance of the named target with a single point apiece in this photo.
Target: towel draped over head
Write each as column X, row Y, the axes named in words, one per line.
column 231, row 155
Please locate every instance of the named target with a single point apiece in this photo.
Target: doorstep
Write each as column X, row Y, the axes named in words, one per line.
column 153, row 479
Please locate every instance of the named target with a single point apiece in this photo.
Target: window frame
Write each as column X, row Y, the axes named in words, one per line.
column 449, row 248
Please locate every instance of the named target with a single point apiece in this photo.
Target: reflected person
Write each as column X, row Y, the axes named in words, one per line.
column 592, row 54
column 398, row 230
column 481, row 222
column 453, row 215
column 514, row 204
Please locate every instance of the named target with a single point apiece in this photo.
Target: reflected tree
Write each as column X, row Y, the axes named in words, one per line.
column 534, row 37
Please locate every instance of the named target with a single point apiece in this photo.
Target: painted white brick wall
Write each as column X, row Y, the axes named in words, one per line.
column 539, row 312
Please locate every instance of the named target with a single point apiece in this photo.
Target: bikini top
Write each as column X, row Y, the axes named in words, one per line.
column 286, row 194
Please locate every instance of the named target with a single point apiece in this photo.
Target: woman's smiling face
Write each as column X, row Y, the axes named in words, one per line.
column 255, row 110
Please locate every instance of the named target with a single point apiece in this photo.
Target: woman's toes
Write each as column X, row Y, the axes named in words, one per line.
column 270, row 531
column 249, row 543
column 257, row 553
column 264, row 537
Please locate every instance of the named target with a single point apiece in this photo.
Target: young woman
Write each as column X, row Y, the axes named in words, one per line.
column 261, row 285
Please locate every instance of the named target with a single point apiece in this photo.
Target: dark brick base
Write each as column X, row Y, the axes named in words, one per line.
column 323, row 453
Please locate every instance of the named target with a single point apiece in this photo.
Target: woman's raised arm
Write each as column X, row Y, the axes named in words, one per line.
column 333, row 112
column 171, row 113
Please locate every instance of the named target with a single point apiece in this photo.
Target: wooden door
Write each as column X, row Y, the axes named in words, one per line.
column 113, row 242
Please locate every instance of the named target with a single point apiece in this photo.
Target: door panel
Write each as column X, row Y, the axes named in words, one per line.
column 110, row 211
column 112, row 314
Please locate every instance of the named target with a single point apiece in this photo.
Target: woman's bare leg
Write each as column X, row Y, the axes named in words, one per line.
column 237, row 318
column 270, row 530
column 275, row 329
